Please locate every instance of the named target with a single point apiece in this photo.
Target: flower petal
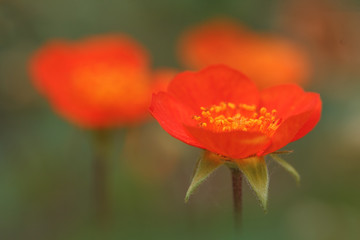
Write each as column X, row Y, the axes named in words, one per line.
column 213, row 42
column 50, row 68
column 299, row 112
column 161, row 79
column 288, row 100
column 287, row 131
column 111, row 49
column 212, row 85
column 171, row 115
column 234, row 144
column 312, row 121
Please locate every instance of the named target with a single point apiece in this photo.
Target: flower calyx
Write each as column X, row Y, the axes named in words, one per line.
column 254, row 169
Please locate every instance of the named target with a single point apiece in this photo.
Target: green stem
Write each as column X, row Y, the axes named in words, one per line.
column 236, row 176
column 100, row 177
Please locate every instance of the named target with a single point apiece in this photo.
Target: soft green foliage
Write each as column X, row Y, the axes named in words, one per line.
column 256, row 173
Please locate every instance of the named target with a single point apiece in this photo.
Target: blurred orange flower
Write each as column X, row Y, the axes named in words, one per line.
column 267, row 59
column 98, row 82
column 161, row 78
column 328, row 29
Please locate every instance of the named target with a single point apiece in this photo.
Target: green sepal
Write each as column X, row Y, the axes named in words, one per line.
column 206, row 165
column 256, row 174
column 283, row 152
column 287, row 167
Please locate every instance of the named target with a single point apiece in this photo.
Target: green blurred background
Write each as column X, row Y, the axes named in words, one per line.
column 46, row 163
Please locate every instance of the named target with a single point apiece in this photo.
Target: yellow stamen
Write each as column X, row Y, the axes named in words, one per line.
column 263, row 110
column 227, row 117
column 231, row 105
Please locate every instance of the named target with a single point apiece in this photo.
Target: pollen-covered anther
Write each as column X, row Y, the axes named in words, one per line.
column 231, row 105
column 205, row 113
column 227, row 117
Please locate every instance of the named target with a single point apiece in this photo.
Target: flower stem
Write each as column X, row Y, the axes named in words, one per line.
column 236, row 176
column 100, row 177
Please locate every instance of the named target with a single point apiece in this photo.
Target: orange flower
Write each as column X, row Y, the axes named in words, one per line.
column 267, row 59
column 161, row 78
column 98, row 82
column 222, row 111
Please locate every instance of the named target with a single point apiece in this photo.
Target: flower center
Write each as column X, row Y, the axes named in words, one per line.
column 227, row 117
column 106, row 85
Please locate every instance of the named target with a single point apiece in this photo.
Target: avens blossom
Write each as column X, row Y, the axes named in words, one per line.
column 222, row 111
column 97, row 82
column 267, row 59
